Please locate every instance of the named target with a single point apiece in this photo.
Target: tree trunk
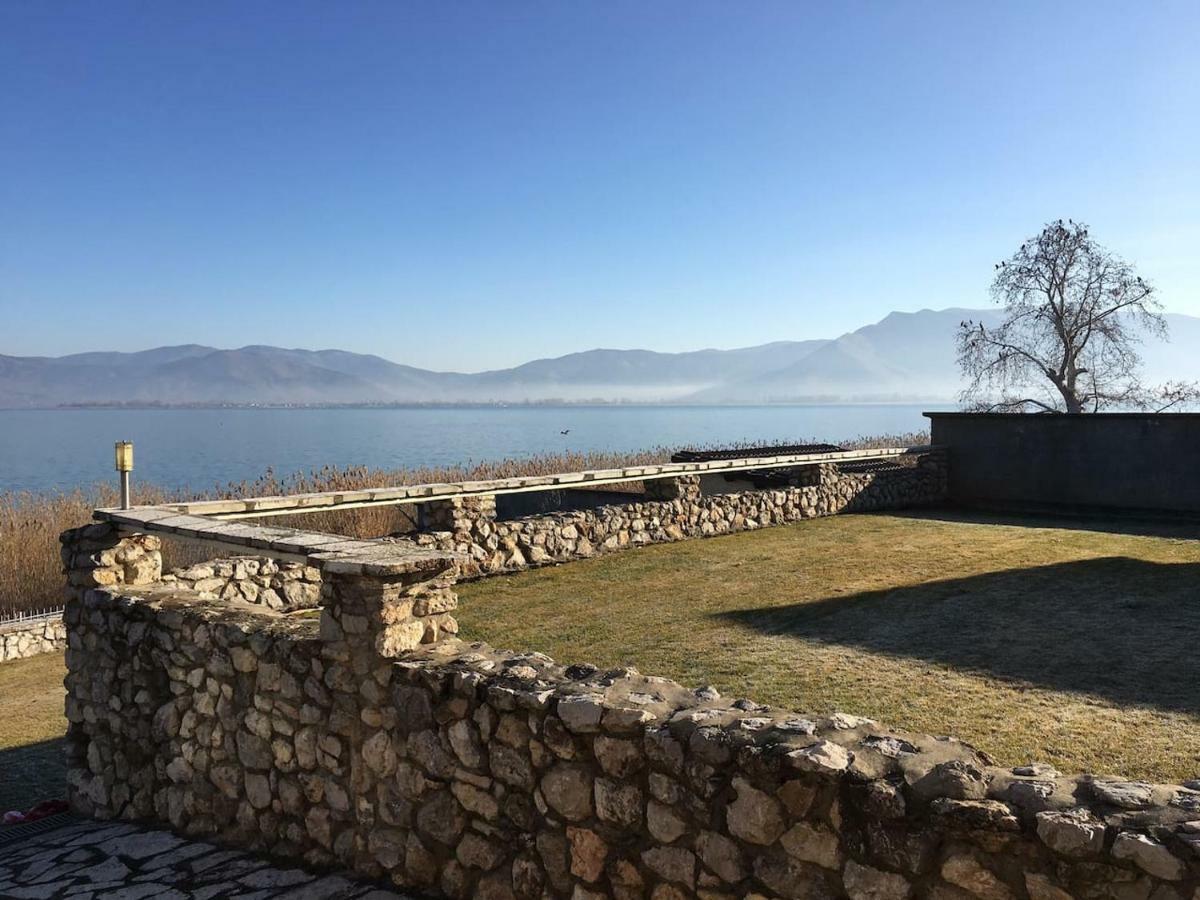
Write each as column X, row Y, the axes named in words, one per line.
column 1071, row 400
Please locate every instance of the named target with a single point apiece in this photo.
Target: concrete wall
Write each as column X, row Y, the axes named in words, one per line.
column 1132, row 462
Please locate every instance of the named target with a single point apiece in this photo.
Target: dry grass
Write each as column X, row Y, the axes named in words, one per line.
column 31, row 700
column 31, row 729
column 31, row 574
column 1032, row 642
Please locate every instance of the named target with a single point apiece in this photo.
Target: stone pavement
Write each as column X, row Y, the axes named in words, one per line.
column 93, row 860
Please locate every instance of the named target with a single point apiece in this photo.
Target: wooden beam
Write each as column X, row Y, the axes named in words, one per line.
column 294, row 504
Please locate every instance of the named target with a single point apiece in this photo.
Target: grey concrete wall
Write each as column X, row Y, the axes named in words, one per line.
column 1132, row 462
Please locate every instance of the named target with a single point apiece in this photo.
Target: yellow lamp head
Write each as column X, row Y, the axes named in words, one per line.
column 124, row 455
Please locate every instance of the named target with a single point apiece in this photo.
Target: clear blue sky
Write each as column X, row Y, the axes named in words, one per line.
column 469, row 185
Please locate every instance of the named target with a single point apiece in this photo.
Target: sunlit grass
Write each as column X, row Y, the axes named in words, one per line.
column 1074, row 647
column 32, row 725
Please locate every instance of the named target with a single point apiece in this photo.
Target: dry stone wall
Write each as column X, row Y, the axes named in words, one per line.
column 376, row 741
column 23, row 640
column 286, row 586
column 674, row 509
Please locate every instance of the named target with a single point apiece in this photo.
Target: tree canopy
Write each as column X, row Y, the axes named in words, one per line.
column 1074, row 315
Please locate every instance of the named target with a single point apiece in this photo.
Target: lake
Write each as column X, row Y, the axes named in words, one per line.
column 46, row 450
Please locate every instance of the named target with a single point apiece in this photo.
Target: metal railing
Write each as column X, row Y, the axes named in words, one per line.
column 14, row 619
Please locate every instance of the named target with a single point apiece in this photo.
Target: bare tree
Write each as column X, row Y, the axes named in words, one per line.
column 1074, row 314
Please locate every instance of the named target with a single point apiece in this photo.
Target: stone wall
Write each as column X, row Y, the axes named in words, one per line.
column 286, row 586
column 673, row 509
column 460, row 771
column 22, row 640
column 89, row 561
column 374, row 740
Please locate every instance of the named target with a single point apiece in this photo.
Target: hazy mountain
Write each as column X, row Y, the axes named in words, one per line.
column 905, row 356
column 639, row 374
column 274, row 375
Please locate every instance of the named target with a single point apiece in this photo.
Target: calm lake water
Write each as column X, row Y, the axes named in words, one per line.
column 46, row 450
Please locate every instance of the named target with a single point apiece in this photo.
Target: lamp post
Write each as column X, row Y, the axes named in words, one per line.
column 124, row 459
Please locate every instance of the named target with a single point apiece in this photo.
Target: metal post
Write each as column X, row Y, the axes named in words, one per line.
column 124, row 462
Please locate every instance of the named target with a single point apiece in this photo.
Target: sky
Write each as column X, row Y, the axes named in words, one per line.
column 471, row 185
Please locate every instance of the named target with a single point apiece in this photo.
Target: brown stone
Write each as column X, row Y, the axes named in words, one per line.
column 1073, row 833
column 588, row 853
column 556, row 855
column 966, row 872
column 814, row 845
column 1040, row 887
column 441, row 818
column 527, row 877
column 797, row 796
column 672, row 864
column 790, row 878
column 956, row 779
column 664, row 823
column 865, row 883
column 618, row 757
column 721, row 855
column 754, row 816
column 511, row 766
column 618, row 803
column 567, row 788
column 477, row 852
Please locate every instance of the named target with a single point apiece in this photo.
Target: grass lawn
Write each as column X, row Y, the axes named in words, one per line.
column 1072, row 645
column 31, row 729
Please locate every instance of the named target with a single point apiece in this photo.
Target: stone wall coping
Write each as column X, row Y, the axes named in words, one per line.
column 254, row 507
column 331, row 553
column 939, row 777
column 170, row 605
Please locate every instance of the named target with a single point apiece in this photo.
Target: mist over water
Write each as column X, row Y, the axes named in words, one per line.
column 48, row 450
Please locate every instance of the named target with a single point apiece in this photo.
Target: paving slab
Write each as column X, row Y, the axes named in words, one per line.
column 82, row 859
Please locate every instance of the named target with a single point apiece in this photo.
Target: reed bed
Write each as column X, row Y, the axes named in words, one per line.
column 30, row 523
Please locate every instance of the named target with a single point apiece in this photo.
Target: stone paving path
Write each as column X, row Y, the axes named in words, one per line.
column 92, row 860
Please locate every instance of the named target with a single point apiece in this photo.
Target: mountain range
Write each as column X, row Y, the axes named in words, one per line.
column 902, row 357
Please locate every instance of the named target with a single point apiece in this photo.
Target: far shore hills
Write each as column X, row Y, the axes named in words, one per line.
column 549, row 403
column 904, row 358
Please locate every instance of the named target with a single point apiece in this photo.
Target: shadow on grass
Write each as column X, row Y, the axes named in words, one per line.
column 1178, row 529
column 32, row 773
column 1121, row 629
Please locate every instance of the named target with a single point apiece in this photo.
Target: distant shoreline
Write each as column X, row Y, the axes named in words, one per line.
column 443, row 404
